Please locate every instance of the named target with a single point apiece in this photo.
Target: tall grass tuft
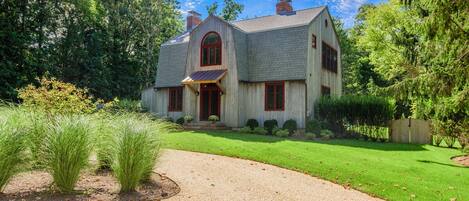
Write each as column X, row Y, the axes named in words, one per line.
column 137, row 149
column 68, row 147
column 12, row 145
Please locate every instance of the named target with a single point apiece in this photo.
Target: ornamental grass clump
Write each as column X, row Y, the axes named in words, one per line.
column 12, row 147
column 68, row 147
column 136, row 150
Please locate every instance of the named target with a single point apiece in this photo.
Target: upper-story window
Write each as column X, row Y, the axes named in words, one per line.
column 211, row 50
column 329, row 58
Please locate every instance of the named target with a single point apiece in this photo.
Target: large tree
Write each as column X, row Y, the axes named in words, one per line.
column 230, row 11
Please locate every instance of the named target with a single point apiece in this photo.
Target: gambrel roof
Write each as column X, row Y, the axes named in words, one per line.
column 268, row 48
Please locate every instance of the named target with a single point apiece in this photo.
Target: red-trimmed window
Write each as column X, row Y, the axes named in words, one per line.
column 274, row 96
column 325, row 91
column 175, row 99
column 329, row 58
column 210, row 51
column 313, row 41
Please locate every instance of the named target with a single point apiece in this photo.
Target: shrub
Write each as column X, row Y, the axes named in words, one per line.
column 12, row 146
column 180, row 121
column 260, row 131
column 245, row 130
column 450, row 141
column 168, row 119
column 290, row 125
column 105, row 139
column 54, row 96
column 68, row 147
column 275, row 130
column 125, row 105
column 269, row 125
column 213, row 118
column 252, row 123
column 188, row 118
column 136, row 151
column 437, row 140
column 282, row 133
column 326, row 134
column 314, row 126
column 310, row 136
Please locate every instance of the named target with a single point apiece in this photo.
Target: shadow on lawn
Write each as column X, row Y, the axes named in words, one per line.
column 445, row 164
column 374, row 145
column 339, row 142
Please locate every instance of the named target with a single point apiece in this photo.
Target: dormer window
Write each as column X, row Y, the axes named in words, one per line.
column 210, row 51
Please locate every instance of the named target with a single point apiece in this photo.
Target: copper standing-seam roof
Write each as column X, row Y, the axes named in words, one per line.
column 204, row 76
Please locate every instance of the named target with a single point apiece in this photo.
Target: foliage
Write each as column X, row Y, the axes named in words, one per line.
column 68, row 147
column 245, row 130
column 326, row 134
column 374, row 133
column 188, row 118
column 252, row 123
column 421, row 47
column 355, row 110
column 180, row 121
column 136, row 150
column 109, row 47
column 125, row 105
column 53, row 96
column 260, row 131
column 105, row 139
column 269, row 125
column 12, row 147
column 230, row 11
column 167, row 119
column 290, row 125
column 213, row 118
column 437, row 139
column 314, row 126
column 310, row 136
column 282, row 133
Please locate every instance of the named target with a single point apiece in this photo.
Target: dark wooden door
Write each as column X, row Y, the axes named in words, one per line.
column 209, row 101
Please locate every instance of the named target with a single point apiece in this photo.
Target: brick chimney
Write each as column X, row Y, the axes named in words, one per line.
column 193, row 19
column 284, row 7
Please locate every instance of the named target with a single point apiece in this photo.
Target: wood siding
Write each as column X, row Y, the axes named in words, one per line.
column 229, row 101
column 252, row 99
column 157, row 102
column 316, row 76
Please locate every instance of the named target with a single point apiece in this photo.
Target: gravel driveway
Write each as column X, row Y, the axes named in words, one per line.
column 212, row 177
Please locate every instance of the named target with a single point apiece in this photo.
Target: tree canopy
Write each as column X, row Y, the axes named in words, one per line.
column 230, row 11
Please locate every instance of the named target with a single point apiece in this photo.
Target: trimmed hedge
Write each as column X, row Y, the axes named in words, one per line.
column 363, row 110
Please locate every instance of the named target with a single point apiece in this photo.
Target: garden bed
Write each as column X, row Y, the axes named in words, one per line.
column 37, row 185
column 463, row 160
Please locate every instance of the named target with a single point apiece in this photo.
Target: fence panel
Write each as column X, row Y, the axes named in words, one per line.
column 415, row 131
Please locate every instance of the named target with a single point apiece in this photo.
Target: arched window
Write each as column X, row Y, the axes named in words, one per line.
column 210, row 51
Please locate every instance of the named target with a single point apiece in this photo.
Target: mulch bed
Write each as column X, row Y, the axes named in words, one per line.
column 37, row 185
column 463, row 160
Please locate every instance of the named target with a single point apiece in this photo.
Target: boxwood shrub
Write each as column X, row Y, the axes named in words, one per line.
column 252, row 123
column 290, row 125
column 269, row 125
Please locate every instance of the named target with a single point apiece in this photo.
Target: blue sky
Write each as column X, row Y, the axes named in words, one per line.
column 344, row 9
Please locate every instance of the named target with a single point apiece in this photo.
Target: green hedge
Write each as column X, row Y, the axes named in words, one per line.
column 363, row 110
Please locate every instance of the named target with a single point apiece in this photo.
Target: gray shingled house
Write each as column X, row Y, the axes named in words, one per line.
column 271, row 67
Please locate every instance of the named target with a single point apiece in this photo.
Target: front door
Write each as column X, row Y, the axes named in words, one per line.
column 209, row 101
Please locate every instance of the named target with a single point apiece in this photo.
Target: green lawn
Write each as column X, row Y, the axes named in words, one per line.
column 389, row 171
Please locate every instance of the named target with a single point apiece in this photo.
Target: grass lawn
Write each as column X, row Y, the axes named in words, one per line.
column 386, row 170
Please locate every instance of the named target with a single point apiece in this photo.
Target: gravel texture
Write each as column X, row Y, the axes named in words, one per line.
column 211, row 177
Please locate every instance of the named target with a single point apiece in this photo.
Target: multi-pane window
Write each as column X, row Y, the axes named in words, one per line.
column 274, row 96
column 211, row 50
column 325, row 91
column 329, row 58
column 313, row 42
column 175, row 99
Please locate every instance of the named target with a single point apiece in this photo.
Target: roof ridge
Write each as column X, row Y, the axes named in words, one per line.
column 255, row 18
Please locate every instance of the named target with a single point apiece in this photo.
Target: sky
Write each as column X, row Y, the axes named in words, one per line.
column 343, row 9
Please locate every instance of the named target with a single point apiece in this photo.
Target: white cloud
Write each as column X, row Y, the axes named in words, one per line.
column 189, row 5
column 346, row 9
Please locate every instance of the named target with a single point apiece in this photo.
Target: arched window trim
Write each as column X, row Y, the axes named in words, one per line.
column 216, row 45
